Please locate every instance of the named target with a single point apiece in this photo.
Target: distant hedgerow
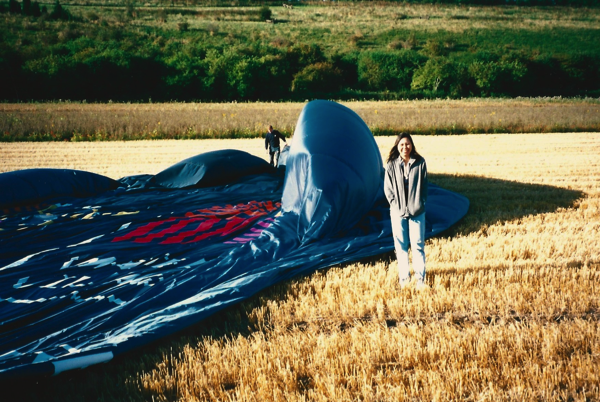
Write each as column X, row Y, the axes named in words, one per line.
column 317, row 78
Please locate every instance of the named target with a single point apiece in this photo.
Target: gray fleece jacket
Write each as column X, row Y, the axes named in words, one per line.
column 417, row 186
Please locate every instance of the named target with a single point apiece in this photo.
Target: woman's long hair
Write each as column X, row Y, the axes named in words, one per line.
column 395, row 154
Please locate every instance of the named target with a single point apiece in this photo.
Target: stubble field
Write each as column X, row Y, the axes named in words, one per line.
column 512, row 312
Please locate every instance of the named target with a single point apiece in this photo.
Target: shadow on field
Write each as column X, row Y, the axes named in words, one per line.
column 494, row 200
column 491, row 201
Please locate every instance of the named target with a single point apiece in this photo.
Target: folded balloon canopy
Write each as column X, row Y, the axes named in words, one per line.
column 31, row 186
column 333, row 170
column 211, row 169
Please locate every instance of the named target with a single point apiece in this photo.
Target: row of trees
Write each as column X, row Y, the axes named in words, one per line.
column 298, row 72
column 29, row 8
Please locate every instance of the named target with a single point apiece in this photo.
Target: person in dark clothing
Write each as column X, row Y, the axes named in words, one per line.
column 272, row 145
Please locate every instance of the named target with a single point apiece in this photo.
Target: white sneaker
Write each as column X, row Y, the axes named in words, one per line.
column 404, row 283
column 421, row 285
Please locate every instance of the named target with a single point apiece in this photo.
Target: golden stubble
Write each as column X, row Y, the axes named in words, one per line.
column 511, row 314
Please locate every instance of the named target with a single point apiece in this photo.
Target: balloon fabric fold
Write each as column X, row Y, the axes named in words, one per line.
column 91, row 268
column 334, row 170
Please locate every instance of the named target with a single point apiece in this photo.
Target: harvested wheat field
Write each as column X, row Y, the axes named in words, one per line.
column 512, row 312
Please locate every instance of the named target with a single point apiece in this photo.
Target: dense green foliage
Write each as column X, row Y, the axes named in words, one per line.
column 55, row 53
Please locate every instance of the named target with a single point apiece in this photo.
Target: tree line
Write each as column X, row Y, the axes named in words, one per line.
column 297, row 73
column 29, row 8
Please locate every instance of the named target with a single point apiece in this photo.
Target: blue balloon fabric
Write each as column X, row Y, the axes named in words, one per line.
column 334, row 170
column 84, row 279
column 211, row 169
column 29, row 187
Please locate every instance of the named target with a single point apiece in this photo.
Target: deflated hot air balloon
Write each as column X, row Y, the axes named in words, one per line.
column 91, row 267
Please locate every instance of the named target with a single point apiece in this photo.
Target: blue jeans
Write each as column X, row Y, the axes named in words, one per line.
column 409, row 231
column 274, row 154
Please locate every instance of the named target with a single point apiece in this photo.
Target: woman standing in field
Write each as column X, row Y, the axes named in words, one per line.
column 405, row 188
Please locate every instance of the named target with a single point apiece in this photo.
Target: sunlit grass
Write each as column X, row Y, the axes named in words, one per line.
column 334, row 25
column 118, row 121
